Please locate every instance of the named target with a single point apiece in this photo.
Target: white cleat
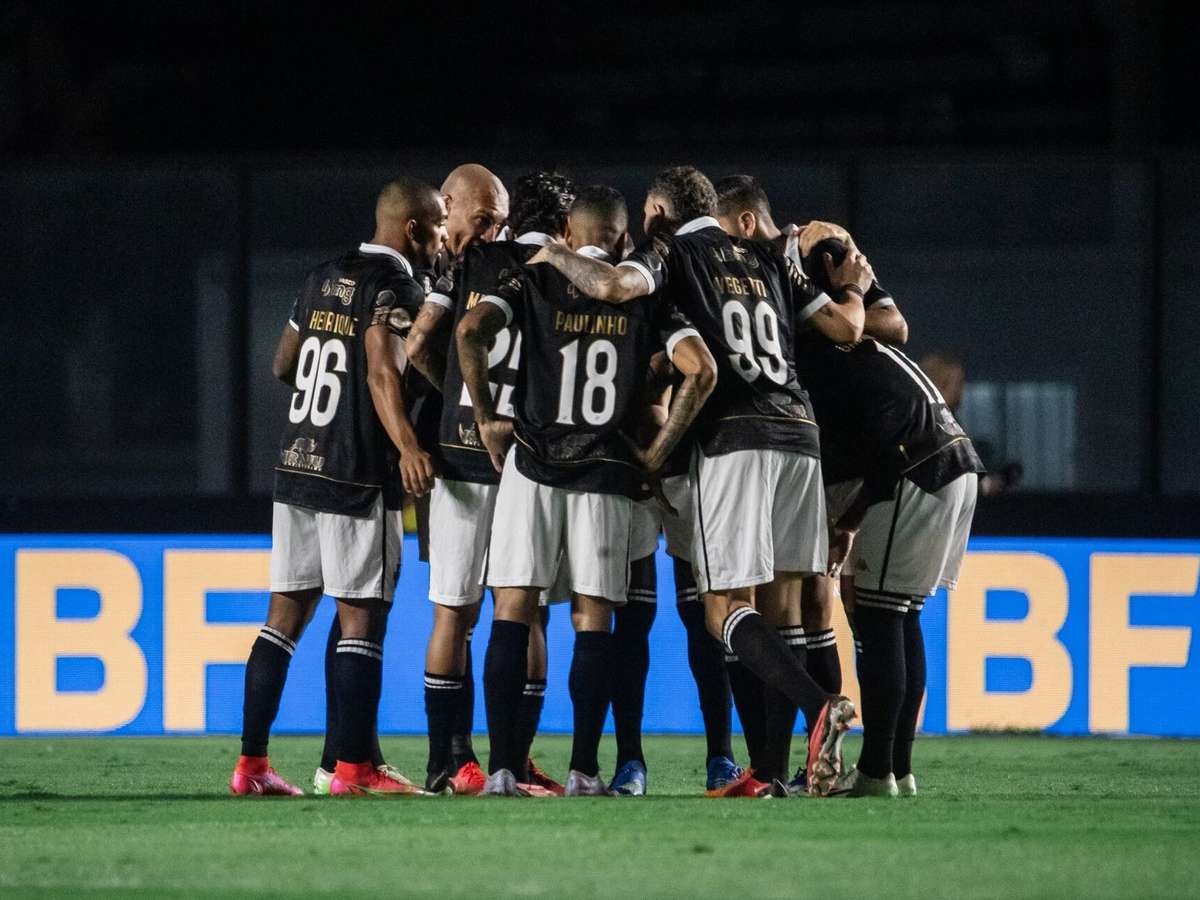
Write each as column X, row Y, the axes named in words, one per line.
column 321, row 782
column 502, row 783
column 580, row 785
column 907, row 786
column 855, row 784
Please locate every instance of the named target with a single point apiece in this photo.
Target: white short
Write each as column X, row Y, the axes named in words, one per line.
column 348, row 557
column 538, row 528
column 913, row 544
column 757, row 512
column 460, row 526
column 649, row 520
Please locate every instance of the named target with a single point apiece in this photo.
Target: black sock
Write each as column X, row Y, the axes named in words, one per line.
column 503, row 683
column 823, row 664
column 442, row 693
column 914, row 690
column 881, row 676
column 378, row 633
column 529, row 714
column 590, row 684
column 779, row 716
column 631, row 651
column 464, row 719
column 760, row 649
column 749, row 700
column 358, row 677
column 706, row 658
column 266, row 673
column 329, row 750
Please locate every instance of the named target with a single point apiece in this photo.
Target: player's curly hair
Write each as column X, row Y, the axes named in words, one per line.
column 540, row 202
column 688, row 191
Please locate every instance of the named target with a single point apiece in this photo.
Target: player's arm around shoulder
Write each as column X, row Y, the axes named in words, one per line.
column 843, row 319
column 690, row 358
column 475, row 332
column 595, row 277
column 390, row 319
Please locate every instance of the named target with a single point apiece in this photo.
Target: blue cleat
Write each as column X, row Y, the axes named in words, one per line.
column 722, row 771
column 630, row 780
column 798, row 786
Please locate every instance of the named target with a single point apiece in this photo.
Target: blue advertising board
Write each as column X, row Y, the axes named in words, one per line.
column 111, row 634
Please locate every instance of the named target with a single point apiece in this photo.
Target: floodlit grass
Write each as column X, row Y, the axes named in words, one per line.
column 998, row 816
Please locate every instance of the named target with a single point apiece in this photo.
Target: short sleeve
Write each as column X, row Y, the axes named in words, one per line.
column 508, row 295
column 807, row 298
column 294, row 317
column 441, row 291
column 396, row 303
column 877, row 295
column 652, row 261
column 673, row 326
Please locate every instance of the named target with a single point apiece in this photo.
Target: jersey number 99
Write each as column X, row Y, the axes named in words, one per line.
column 754, row 353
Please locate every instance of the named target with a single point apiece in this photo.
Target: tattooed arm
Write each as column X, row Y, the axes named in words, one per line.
column 426, row 344
column 597, row 279
column 475, row 332
column 691, row 359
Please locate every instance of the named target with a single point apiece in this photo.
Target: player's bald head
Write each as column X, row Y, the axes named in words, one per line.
column 477, row 203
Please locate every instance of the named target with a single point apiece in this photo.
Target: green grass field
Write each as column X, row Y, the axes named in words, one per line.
column 999, row 816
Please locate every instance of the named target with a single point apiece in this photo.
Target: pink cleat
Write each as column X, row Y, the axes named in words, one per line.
column 359, row 779
column 254, row 777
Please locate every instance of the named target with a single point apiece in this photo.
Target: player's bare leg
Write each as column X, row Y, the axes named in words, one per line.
column 445, row 686
column 591, row 689
column 731, row 615
column 266, row 673
column 779, row 604
column 504, row 672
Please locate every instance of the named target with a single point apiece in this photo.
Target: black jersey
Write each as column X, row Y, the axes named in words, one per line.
column 463, row 456
column 424, row 398
column 583, row 369
column 335, row 455
column 747, row 301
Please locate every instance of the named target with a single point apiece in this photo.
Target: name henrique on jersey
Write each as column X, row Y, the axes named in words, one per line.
column 581, row 380
column 335, row 455
column 747, row 302
column 464, row 458
column 882, row 418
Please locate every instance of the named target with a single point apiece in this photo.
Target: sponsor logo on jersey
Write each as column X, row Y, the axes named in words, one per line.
column 343, row 289
column 302, row 455
column 468, row 435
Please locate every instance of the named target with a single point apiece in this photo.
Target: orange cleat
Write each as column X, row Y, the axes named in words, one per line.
column 254, row 777
column 468, row 780
column 745, row 785
column 825, row 745
column 363, row 779
column 538, row 778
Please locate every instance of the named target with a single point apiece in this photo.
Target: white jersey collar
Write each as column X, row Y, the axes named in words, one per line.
column 697, row 224
column 593, row 252
column 387, row 251
column 536, row 238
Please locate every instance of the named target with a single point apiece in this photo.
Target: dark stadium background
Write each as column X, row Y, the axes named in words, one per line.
column 1025, row 177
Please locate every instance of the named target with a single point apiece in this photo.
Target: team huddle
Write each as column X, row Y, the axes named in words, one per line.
column 553, row 400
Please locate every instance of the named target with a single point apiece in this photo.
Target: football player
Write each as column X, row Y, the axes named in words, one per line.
column 566, row 495
column 336, row 526
column 758, row 501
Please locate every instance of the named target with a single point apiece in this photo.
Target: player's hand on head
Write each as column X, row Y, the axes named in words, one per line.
column 854, row 270
column 815, row 232
column 496, row 436
column 416, row 471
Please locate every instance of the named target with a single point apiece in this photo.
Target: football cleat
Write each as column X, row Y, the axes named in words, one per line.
column 778, row 789
column 855, row 784
column 502, row 783
column 538, row 777
column 254, row 777
column 907, row 786
column 580, row 785
column 439, row 782
column 745, row 785
column 536, row 790
column 469, row 780
column 825, row 745
column 798, row 786
column 722, row 771
column 630, row 780
column 321, row 782
column 363, row 779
